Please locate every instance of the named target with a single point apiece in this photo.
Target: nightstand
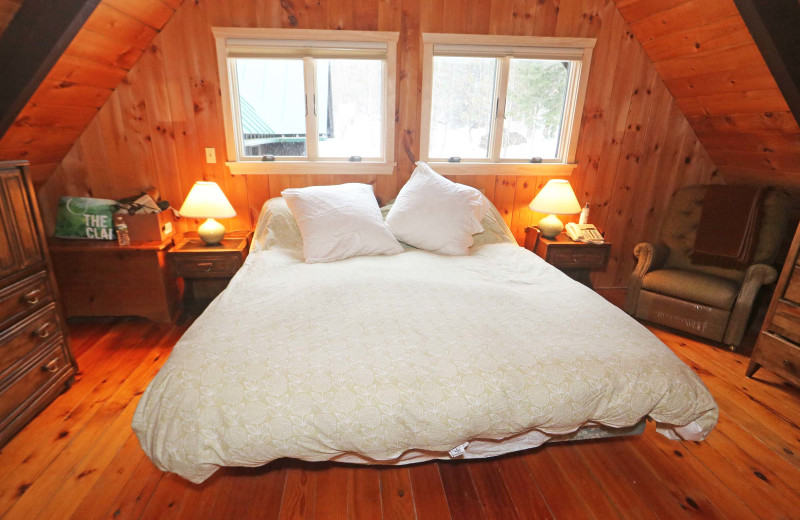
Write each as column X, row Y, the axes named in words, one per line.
column 206, row 270
column 102, row 278
column 575, row 259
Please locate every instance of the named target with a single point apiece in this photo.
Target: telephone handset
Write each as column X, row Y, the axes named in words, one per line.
column 584, row 233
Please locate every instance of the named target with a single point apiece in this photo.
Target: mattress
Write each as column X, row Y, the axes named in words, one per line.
column 401, row 358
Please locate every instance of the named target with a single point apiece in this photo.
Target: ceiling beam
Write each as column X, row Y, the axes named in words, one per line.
column 34, row 40
column 774, row 27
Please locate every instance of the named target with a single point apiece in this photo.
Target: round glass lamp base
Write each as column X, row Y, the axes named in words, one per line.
column 550, row 226
column 211, row 232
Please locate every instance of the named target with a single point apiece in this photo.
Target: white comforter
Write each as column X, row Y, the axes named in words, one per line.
column 375, row 356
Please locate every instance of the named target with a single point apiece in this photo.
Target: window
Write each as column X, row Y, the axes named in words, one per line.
column 509, row 101
column 308, row 101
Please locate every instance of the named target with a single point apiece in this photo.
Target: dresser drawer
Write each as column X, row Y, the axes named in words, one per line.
column 779, row 355
column 33, row 379
column 583, row 257
column 26, row 336
column 792, row 292
column 786, row 321
column 23, row 297
column 212, row 266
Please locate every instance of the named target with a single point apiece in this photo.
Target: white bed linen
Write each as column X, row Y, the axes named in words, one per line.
column 372, row 357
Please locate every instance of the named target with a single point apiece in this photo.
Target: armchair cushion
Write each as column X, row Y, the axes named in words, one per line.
column 683, row 217
column 694, row 286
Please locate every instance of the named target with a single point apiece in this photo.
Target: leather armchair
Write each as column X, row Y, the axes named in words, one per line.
column 712, row 302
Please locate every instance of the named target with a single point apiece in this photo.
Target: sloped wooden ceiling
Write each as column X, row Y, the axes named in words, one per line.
column 701, row 48
column 8, row 8
column 711, row 65
column 97, row 60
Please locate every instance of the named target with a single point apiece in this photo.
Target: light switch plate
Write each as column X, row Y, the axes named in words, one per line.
column 211, row 155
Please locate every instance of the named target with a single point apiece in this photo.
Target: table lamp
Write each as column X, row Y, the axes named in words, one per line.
column 556, row 198
column 206, row 200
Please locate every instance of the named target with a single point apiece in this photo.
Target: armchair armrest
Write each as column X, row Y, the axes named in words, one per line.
column 755, row 276
column 651, row 257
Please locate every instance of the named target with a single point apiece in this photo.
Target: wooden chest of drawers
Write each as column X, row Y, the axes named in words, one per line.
column 778, row 345
column 35, row 360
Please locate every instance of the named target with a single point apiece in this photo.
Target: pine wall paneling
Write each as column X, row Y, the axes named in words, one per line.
column 635, row 146
column 712, row 67
column 111, row 41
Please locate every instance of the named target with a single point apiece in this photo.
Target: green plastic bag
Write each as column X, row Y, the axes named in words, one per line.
column 82, row 217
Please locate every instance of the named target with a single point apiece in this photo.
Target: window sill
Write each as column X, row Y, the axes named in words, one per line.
column 310, row 168
column 487, row 168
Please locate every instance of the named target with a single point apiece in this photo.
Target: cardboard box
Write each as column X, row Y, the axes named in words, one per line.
column 151, row 227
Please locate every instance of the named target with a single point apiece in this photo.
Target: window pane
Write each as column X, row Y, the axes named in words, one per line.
column 350, row 107
column 272, row 106
column 534, row 108
column 462, row 106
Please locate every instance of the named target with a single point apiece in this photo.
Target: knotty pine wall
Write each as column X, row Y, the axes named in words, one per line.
column 635, row 145
column 97, row 59
column 711, row 65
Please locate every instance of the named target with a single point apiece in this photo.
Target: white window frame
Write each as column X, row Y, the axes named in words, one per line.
column 576, row 50
column 233, row 42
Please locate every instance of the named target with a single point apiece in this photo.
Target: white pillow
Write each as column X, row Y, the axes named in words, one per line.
column 436, row 214
column 340, row 221
column 276, row 228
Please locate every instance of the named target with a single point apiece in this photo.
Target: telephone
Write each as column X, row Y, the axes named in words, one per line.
column 584, row 233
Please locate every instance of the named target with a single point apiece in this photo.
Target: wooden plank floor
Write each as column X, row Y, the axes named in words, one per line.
column 79, row 459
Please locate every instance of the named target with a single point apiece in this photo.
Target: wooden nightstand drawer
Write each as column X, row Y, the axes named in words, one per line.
column 575, row 259
column 778, row 355
column 206, row 270
column 584, row 257
column 206, row 266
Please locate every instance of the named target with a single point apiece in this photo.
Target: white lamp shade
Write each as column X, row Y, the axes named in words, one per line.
column 206, row 200
column 556, row 198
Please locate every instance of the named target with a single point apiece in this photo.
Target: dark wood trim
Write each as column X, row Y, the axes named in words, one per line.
column 33, row 42
column 774, row 27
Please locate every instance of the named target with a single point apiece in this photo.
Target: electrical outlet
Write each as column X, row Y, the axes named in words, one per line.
column 211, row 155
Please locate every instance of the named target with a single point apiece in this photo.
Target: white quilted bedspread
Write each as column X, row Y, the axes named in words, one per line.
column 376, row 356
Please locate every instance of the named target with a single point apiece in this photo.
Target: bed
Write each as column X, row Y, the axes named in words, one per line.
column 404, row 358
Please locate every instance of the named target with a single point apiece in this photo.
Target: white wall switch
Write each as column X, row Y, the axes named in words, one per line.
column 211, row 155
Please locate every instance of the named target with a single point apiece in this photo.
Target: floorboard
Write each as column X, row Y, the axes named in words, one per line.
column 79, row 459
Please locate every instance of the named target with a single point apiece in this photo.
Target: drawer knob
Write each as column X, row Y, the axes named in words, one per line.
column 51, row 367
column 32, row 297
column 43, row 331
column 206, row 266
column 788, row 363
